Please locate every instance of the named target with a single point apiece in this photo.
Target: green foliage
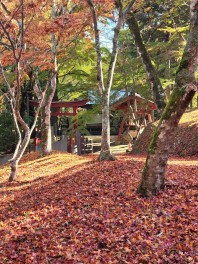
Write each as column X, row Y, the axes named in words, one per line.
column 115, row 120
column 89, row 116
column 130, row 74
column 78, row 75
column 8, row 136
column 164, row 27
column 174, row 30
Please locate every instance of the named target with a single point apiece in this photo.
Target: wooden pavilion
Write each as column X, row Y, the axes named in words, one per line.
column 137, row 108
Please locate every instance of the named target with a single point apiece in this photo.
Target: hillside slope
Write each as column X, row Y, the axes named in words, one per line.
column 185, row 141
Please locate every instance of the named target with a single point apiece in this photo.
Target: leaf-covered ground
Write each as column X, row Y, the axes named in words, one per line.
column 70, row 209
column 185, row 142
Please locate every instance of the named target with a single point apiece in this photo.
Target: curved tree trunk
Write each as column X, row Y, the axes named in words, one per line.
column 23, row 142
column 155, row 83
column 17, row 156
column 153, row 177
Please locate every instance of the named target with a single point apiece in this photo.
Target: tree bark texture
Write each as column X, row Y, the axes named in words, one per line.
column 153, row 176
column 18, row 154
column 105, row 153
column 155, row 83
column 46, row 135
column 46, row 140
column 23, row 142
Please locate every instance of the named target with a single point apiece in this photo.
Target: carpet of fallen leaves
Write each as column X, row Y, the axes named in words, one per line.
column 185, row 141
column 70, row 209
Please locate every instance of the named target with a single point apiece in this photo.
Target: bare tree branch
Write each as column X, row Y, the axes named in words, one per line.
column 120, row 23
column 98, row 48
column 128, row 8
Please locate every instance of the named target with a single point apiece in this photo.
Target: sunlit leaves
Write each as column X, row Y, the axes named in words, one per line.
column 70, row 209
column 174, row 30
column 185, row 141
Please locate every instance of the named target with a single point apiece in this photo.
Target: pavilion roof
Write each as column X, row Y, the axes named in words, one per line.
column 143, row 104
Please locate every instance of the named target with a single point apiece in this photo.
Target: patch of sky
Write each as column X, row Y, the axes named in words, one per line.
column 106, row 33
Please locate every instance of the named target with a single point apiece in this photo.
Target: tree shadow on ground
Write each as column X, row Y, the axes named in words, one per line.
column 90, row 213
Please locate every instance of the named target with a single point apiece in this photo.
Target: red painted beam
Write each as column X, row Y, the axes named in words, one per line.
column 62, row 114
column 64, row 104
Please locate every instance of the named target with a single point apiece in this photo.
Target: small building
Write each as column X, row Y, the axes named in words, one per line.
column 137, row 112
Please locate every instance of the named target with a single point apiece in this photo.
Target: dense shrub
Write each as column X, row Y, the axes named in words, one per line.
column 8, row 135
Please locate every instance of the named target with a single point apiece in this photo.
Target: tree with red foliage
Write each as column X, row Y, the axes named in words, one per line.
column 14, row 27
column 60, row 29
column 28, row 50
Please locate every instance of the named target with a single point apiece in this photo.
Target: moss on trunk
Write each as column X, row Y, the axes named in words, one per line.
column 153, row 176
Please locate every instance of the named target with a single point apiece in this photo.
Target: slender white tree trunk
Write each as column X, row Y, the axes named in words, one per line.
column 105, row 143
column 105, row 153
column 46, row 133
column 46, row 129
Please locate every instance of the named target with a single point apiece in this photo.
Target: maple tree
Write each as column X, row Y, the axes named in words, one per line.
column 64, row 20
column 105, row 88
column 70, row 209
column 153, row 177
column 29, row 51
column 14, row 25
column 60, row 25
column 160, row 34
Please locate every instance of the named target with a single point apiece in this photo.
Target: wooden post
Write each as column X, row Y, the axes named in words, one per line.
column 122, row 126
column 197, row 101
column 78, row 142
column 149, row 117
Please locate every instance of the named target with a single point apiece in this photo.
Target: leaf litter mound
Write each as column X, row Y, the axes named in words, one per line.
column 70, row 209
column 185, row 142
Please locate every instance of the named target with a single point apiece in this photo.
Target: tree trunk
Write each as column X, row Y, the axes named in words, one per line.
column 155, row 84
column 13, row 173
column 17, row 156
column 23, row 142
column 46, row 134
column 105, row 153
column 153, row 177
column 46, row 140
